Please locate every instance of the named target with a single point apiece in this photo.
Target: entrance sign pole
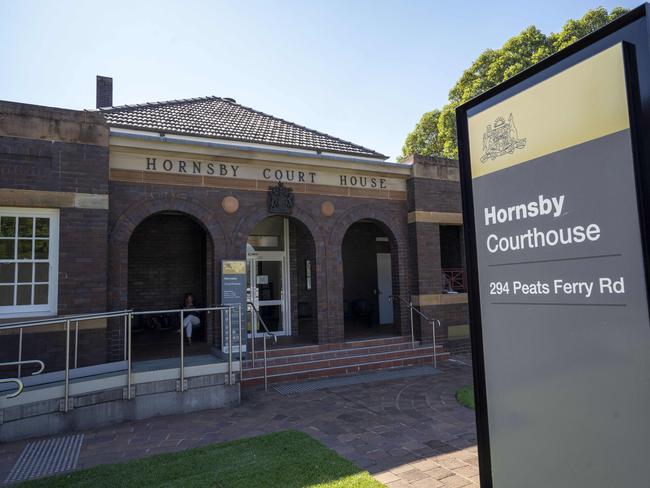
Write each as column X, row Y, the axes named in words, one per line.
column 555, row 176
column 233, row 294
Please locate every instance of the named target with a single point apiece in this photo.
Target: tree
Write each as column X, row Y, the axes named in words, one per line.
column 424, row 138
column 435, row 133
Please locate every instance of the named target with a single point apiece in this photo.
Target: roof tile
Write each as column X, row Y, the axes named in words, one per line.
column 225, row 119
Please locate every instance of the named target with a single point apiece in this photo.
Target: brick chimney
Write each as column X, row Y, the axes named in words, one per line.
column 104, row 91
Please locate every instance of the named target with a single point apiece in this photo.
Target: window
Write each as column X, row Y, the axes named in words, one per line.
column 29, row 243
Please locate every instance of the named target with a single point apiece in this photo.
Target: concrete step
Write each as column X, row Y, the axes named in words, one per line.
column 330, row 354
column 334, row 354
column 342, row 370
column 275, row 351
column 348, row 364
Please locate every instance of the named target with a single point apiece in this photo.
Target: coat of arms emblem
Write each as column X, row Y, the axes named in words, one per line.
column 280, row 199
column 501, row 139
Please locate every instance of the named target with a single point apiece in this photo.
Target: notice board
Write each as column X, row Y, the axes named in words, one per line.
column 233, row 293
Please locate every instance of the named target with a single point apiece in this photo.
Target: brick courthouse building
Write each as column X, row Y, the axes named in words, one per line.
column 131, row 207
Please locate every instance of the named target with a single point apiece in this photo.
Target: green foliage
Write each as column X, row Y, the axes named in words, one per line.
column 575, row 29
column 288, row 459
column 435, row 133
column 424, row 138
column 465, row 396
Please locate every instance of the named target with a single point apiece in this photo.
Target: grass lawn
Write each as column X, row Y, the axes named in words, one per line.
column 465, row 396
column 283, row 459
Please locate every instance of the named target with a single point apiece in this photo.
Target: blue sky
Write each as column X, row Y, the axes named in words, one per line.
column 364, row 71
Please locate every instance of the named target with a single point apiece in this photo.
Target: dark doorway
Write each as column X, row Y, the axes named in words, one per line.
column 368, row 281
column 167, row 258
column 452, row 259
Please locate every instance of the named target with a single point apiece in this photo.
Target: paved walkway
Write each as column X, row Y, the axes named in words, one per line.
column 407, row 433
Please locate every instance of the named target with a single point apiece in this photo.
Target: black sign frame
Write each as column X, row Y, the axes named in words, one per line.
column 633, row 30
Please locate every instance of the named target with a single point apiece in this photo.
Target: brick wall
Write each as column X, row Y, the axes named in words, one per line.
column 434, row 185
column 304, row 306
column 31, row 164
column 167, row 258
column 53, row 167
column 48, row 156
column 83, row 247
column 435, row 188
column 425, row 258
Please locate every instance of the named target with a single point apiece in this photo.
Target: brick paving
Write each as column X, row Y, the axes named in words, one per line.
column 407, row 433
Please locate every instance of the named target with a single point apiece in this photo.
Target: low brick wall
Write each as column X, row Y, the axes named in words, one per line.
column 107, row 407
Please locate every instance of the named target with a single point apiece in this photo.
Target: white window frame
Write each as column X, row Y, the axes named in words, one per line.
column 20, row 311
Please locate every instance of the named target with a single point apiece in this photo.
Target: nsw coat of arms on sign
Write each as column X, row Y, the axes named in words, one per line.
column 501, row 139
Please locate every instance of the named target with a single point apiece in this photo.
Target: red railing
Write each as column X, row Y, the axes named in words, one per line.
column 453, row 279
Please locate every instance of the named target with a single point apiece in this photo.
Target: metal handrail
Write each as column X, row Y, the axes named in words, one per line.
column 181, row 312
column 128, row 316
column 266, row 332
column 60, row 319
column 66, row 321
column 20, row 389
column 18, row 381
column 433, row 321
column 27, row 361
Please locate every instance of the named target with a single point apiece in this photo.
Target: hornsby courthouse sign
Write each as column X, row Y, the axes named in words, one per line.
column 233, row 293
column 559, row 305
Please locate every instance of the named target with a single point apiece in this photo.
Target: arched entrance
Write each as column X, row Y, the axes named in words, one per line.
column 369, row 279
column 281, row 260
column 169, row 255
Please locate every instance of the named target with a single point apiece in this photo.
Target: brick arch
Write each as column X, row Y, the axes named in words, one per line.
column 127, row 222
column 248, row 221
column 395, row 228
column 237, row 250
column 391, row 223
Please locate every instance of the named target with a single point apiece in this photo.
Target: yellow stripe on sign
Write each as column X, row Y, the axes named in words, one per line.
column 582, row 103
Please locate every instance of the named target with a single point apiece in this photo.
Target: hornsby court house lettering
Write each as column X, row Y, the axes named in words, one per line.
column 230, row 170
column 192, row 167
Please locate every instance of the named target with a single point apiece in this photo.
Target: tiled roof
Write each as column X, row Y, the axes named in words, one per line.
column 223, row 118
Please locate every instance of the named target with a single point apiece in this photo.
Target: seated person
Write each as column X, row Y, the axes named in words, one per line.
column 191, row 319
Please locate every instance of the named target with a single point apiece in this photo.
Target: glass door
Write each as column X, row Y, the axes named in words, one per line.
column 267, row 283
column 267, row 255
